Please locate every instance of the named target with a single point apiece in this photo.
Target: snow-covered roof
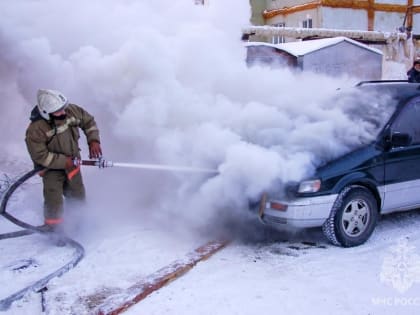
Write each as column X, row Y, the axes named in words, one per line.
column 301, row 48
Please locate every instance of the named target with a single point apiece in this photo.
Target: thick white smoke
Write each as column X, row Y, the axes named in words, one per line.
column 168, row 83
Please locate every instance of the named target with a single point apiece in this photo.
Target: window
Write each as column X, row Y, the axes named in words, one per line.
column 277, row 39
column 408, row 120
column 307, row 23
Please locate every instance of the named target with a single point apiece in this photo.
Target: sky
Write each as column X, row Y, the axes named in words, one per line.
column 168, row 84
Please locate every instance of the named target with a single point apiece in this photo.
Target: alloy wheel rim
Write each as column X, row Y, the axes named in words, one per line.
column 356, row 216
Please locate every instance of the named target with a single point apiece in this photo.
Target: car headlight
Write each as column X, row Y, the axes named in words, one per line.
column 309, row 186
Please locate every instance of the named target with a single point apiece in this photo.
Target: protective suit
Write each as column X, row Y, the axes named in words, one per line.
column 52, row 142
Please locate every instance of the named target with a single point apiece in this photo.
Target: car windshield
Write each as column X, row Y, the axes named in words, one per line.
column 369, row 109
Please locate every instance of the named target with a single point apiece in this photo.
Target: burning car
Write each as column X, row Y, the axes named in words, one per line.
column 347, row 195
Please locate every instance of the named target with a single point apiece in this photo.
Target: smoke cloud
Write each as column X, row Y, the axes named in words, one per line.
column 167, row 83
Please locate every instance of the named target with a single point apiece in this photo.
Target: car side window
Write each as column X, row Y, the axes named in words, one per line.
column 408, row 121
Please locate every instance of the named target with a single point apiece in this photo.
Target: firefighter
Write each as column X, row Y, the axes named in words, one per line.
column 52, row 142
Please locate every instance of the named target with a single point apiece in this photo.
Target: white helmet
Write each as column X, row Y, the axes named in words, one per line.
column 50, row 101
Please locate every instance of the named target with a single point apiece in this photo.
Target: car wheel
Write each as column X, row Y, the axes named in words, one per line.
column 353, row 217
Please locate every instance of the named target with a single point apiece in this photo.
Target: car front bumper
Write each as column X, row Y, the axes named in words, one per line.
column 299, row 213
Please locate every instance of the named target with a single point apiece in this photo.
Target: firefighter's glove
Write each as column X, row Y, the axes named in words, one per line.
column 95, row 151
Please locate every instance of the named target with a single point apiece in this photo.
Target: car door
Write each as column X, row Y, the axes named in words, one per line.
column 402, row 164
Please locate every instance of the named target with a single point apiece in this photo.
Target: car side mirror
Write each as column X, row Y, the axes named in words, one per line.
column 399, row 139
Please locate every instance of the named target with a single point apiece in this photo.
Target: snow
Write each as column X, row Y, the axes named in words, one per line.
column 274, row 277
column 301, row 48
column 260, row 271
column 182, row 95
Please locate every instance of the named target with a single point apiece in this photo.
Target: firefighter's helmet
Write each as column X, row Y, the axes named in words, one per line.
column 50, row 101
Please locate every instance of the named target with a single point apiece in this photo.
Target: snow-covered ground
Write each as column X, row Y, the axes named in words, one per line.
column 274, row 276
column 260, row 271
column 183, row 95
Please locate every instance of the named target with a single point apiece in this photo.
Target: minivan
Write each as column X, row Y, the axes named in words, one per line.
column 347, row 196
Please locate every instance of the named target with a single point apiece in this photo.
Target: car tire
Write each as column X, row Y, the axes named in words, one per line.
column 353, row 217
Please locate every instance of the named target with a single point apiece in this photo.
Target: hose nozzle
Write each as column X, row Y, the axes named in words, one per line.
column 100, row 162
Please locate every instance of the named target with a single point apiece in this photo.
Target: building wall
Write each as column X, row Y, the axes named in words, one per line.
column 344, row 59
column 279, row 4
column 269, row 56
column 388, row 21
column 416, row 24
column 383, row 15
column 257, row 8
column 296, row 19
column 345, row 19
column 403, row 2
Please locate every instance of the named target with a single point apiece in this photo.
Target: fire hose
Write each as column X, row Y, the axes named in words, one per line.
column 37, row 286
column 28, row 229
